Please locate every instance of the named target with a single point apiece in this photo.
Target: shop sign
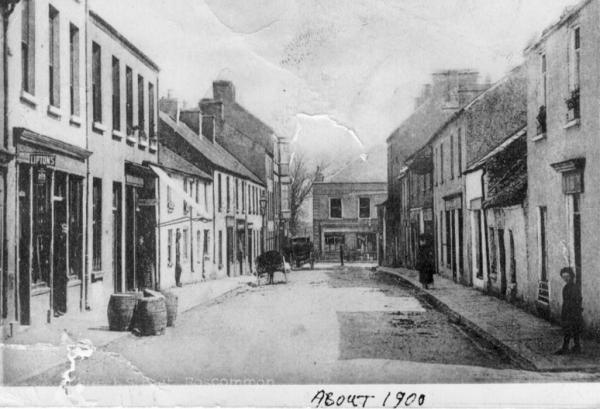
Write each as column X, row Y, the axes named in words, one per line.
column 147, row 202
column 42, row 159
column 134, row 180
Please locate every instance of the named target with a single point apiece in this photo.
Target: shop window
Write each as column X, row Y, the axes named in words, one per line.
column 333, row 242
column 97, row 224
column 335, row 208
column 75, row 223
column 41, row 226
column 364, row 207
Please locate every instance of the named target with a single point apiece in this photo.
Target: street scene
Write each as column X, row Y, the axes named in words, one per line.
column 330, row 325
column 294, row 193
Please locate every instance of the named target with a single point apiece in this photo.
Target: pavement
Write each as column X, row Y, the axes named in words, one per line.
column 35, row 350
column 527, row 340
column 331, row 325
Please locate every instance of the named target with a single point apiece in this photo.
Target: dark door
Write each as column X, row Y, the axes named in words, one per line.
column 577, row 238
column 117, row 237
column 502, row 255
column 130, row 235
column 461, row 263
column 229, row 239
column 250, row 251
column 25, row 243
column 61, row 234
column 453, row 243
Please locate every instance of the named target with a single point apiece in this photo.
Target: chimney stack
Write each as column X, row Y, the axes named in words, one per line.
column 170, row 106
column 211, row 112
column 224, row 91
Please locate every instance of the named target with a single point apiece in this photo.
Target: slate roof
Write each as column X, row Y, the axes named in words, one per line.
column 214, row 153
column 170, row 160
column 373, row 169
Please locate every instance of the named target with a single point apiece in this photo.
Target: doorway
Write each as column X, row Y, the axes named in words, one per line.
column 117, row 237
column 61, row 235
column 229, row 250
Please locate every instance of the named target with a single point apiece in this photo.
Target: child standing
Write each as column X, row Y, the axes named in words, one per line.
column 571, row 319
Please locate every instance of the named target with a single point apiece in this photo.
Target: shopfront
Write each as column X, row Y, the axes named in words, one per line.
column 51, row 226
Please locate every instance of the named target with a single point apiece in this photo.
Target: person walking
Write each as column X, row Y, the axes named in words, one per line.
column 342, row 254
column 425, row 261
column 571, row 319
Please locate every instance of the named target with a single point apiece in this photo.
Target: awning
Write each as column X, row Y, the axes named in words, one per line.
column 179, row 193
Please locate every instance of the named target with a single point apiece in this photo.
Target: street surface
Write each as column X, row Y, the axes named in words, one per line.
column 332, row 325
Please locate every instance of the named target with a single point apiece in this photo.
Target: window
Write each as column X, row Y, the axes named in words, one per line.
column 141, row 107
column 96, row 83
column 502, row 251
column 205, row 243
column 219, row 193
column 97, row 224
column 544, row 82
column 243, row 196
column 451, row 157
column 185, row 190
column 53, row 57
column 435, row 170
column 493, row 256
column 237, row 195
column 185, row 243
column 459, row 149
column 116, row 94
column 228, row 193
column 151, row 108
column 449, row 238
column 364, row 208
column 129, row 100
column 573, row 100
column 170, row 204
column 220, row 248
column 205, row 197
column 335, row 208
column 74, row 93
column 478, row 244
column 28, row 47
column 513, row 258
column 198, row 192
column 170, row 247
column 441, row 163
column 543, row 244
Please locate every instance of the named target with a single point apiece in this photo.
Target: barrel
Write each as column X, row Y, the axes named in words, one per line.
column 171, row 300
column 120, row 310
column 150, row 316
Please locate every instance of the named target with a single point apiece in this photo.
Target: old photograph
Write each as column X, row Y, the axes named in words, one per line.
column 243, row 203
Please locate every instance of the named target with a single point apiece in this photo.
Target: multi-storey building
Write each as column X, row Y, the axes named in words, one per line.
column 345, row 209
column 258, row 148
column 563, row 160
column 46, row 184
column 186, row 214
column 237, row 222
column 469, row 134
column 122, row 189
column 451, row 90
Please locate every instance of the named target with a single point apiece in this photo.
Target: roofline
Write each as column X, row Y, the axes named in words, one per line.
column 170, row 169
column 120, row 37
column 349, row 183
column 563, row 19
column 478, row 163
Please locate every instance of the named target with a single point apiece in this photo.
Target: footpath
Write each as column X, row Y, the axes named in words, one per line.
column 36, row 350
column 527, row 340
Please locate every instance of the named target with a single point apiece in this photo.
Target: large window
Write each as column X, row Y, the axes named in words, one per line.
column 364, row 207
column 96, row 83
column 116, row 94
column 220, row 249
column 129, row 100
column 185, row 243
column 151, row 113
column 170, row 247
column 573, row 101
column 141, row 104
column 335, row 208
column 53, row 57
column 97, row 224
column 333, row 242
column 74, row 93
column 28, row 46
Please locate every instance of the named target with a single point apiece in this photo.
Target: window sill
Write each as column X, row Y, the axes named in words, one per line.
column 539, row 137
column 117, row 134
column 75, row 120
column 74, row 282
column 97, row 276
column 143, row 145
column 572, row 123
column 99, row 127
column 131, row 139
column 28, row 98
column 54, row 111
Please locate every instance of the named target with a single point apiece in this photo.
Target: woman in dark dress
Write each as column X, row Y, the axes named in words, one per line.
column 571, row 319
column 425, row 261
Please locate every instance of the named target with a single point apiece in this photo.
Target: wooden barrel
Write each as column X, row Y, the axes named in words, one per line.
column 171, row 300
column 150, row 316
column 120, row 310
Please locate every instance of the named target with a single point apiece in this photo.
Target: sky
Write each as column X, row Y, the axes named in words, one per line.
column 335, row 76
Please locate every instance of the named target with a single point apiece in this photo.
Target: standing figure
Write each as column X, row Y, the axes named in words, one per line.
column 342, row 254
column 425, row 261
column 571, row 319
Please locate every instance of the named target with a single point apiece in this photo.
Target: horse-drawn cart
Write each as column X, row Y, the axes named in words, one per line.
column 267, row 264
column 301, row 251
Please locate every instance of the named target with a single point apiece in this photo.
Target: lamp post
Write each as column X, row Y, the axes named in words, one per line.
column 263, row 210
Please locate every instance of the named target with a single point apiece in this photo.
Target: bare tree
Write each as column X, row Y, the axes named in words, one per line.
column 302, row 179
